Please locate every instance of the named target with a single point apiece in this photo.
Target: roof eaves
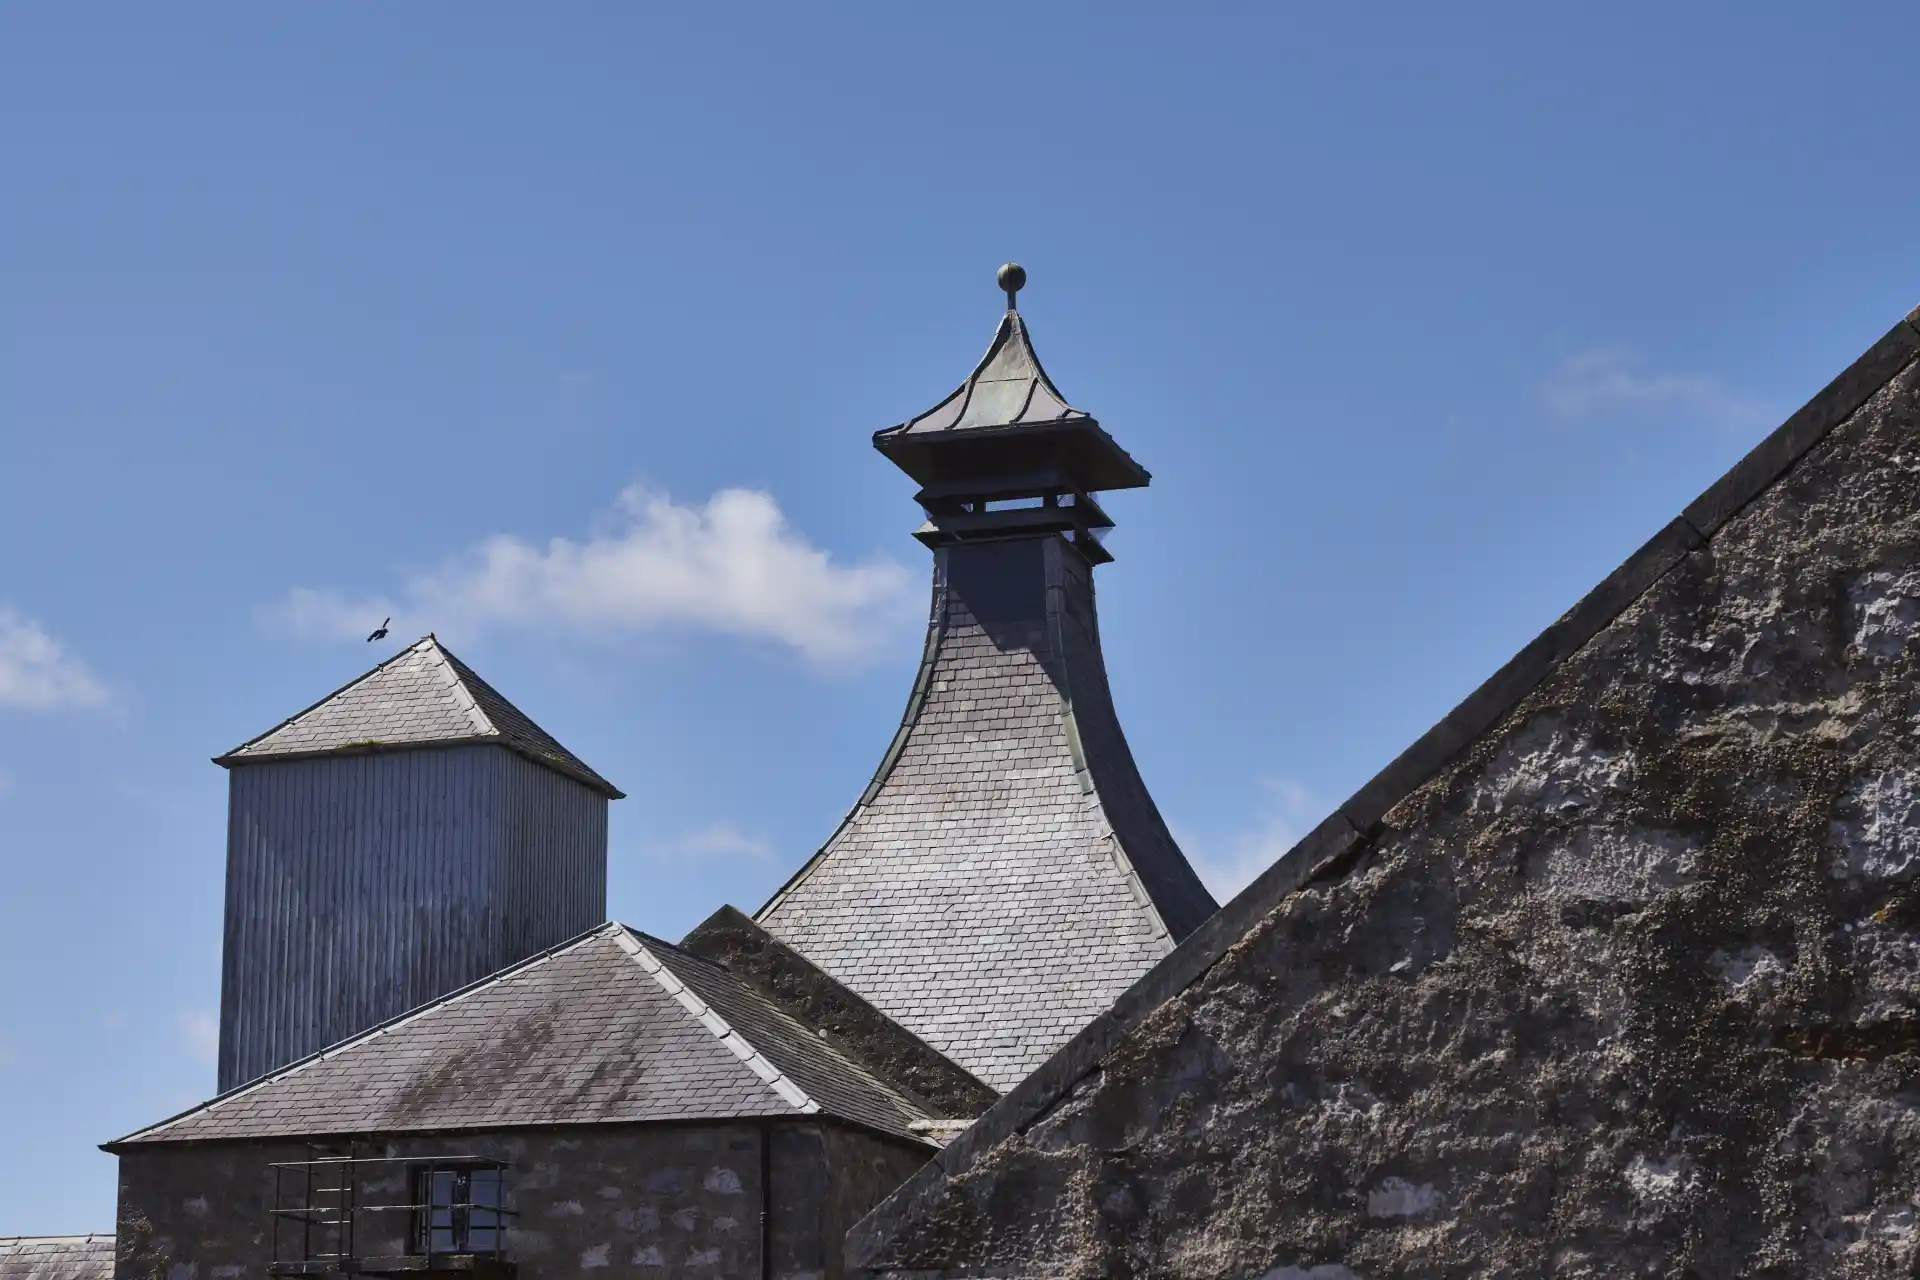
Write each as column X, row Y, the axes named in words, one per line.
column 716, row 1025
column 1343, row 834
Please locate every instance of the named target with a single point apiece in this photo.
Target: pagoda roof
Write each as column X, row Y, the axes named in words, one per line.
column 613, row 1027
column 1008, row 416
column 423, row 696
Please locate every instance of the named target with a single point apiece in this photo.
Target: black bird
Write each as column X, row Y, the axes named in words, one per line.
column 379, row 632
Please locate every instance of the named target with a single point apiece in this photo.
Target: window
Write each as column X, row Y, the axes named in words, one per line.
column 458, row 1210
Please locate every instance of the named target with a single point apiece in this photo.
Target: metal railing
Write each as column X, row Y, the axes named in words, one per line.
column 318, row 1205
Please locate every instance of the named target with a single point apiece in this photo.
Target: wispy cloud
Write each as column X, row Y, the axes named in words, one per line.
column 200, row 1030
column 1612, row 382
column 37, row 672
column 731, row 565
column 1287, row 811
column 721, row 840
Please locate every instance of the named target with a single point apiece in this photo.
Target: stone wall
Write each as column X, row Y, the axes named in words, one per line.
column 643, row 1200
column 1631, row 986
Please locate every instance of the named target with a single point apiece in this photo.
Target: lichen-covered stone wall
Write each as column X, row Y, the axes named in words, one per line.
column 660, row 1201
column 1631, row 987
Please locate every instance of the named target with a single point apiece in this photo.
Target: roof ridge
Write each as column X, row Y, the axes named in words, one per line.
column 630, row 941
column 482, row 723
column 812, row 1034
column 378, row 1029
column 1351, row 826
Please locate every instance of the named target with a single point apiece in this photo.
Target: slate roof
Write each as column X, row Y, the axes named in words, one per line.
column 614, row 1027
column 1006, row 875
column 88, row 1257
column 1345, row 834
column 422, row 696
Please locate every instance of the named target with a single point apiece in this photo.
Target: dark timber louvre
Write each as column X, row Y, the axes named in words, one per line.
column 1006, row 874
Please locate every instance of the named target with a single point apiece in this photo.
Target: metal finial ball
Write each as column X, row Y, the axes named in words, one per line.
column 1012, row 278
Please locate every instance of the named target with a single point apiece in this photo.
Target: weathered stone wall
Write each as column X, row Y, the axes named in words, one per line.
column 646, row 1200
column 1631, row 987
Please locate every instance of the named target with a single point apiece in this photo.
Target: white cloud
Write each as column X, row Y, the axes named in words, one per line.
column 36, row 671
column 721, row 840
column 1610, row 382
column 731, row 565
column 200, row 1028
column 1287, row 812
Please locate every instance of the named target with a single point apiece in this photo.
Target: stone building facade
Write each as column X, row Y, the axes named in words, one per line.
column 661, row 1200
column 636, row 1106
column 1615, row 972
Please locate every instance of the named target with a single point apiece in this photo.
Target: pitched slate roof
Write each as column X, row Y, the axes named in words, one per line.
column 739, row 945
column 422, row 696
column 1346, row 834
column 88, row 1257
column 1006, row 875
column 614, row 1027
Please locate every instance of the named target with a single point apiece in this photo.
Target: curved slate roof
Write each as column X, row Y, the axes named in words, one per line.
column 1006, row 875
column 423, row 696
column 614, row 1027
column 88, row 1257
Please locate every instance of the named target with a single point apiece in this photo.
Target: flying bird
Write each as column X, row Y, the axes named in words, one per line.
column 379, row 632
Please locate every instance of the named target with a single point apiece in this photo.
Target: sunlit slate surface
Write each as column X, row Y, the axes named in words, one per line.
column 585, row 1034
column 999, row 886
column 422, row 696
column 88, row 1257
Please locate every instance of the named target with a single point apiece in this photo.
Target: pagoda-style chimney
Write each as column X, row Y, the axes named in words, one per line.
column 1005, row 875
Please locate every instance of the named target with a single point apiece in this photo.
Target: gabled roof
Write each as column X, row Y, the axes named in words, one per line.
column 1345, row 835
column 1007, row 395
column 88, row 1257
column 613, row 1027
column 422, row 696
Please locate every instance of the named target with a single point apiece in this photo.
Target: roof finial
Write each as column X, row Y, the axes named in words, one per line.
column 1012, row 278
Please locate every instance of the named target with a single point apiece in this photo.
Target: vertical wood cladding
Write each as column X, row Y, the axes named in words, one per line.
column 359, row 887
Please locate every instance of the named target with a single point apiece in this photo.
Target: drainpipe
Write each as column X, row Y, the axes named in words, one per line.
column 766, row 1200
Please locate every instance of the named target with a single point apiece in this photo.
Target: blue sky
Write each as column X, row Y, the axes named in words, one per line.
column 561, row 330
